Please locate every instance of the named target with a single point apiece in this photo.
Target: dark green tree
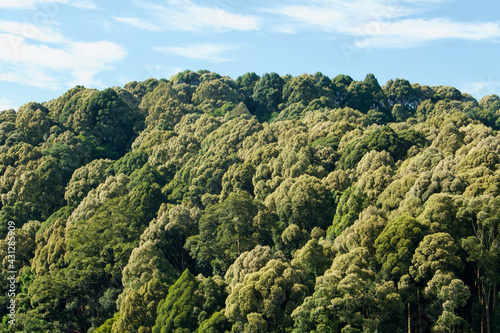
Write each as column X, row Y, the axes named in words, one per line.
column 267, row 94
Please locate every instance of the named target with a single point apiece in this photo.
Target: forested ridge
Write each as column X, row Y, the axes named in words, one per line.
column 261, row 204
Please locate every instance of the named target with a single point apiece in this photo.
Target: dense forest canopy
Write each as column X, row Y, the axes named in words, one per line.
column 262, row 204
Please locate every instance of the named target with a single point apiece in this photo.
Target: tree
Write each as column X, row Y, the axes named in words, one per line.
column 169, row 232
column 328, row 205
column 435, row 252
column 267, row 94
column 303, row 201
column 165, row 111
column 402, row 98
column 303, row 88
column 215, row 92
column 226, row 230
column 218, row 322
column 250, row 262
column 175, row 312
column 351, row 203
column 85, row 179
column 246, row 85
column 190, row 302
column 366, row 95
column 481, row 251
column 340, row 85
column 347, row 299
column 362, row 233
column 314, row 258
column 396, row 245
column 375, row 171
column 138, row 307
column 33, row 122
column 279, row 287
column 452, row 293
column 107, row 118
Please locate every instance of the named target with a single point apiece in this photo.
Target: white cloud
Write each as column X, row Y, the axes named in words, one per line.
column 84, row 4
column 24, row 4
column 337, row 15
column 31, row 76
column 483, row 87
column 31, row 31
column 139, row 23
column 5, row 104
column 66, row 64
column 32, row 4
column 159, row 71
column 9, row 102
column 417, row 32
column 379, row 23
column 211, row 52
column 184, row 15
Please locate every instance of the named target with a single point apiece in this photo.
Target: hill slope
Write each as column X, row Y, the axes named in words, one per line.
column 264, row 204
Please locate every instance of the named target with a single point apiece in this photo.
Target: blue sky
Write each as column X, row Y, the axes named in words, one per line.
column 49, row 46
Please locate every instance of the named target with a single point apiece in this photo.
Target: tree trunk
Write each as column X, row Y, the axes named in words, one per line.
column 239, row 242
column 480, row 296
column 409, row 318
column 419, row 312
column 487, row 308
column 494, row 301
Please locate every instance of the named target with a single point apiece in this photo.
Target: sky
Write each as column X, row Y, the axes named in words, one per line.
column 49, row 46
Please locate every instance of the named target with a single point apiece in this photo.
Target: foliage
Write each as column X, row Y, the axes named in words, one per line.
column 190, row 301
column 263, row 204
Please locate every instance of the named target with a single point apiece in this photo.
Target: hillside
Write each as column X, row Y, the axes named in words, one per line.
column 261, row 204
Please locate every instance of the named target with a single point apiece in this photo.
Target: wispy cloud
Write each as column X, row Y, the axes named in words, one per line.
column 378, row 23
column 482, row 87
column 139, row 23
column 159, row 71
column 49, row 60
column 9, row 102
column 30, row 76
column 84, row 4
column 185, row 15
column 210, row 52
column 23, row 4
column 30, row 31
column 335, row 15
column 417, row 32
column 32, row 4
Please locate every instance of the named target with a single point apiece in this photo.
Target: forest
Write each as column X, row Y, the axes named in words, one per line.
column 303, row 204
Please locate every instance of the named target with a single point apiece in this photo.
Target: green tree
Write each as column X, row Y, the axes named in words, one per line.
column 482, row 253
column 435, row 252
column 350, row 204
column 314, row 258
column 217, row 323
column 214, row 92
column 266, row 298
column 33, row 122
column 347, row 299
column 250, row 262
column 396, row 245
column 366, row 95
column 267, row 94
column 226, row 229
column 107, row 118
column 190, row 302
column 246, row 86
column 303, row 201
column 302, row 89
column 452, row 293
column 175, row 312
